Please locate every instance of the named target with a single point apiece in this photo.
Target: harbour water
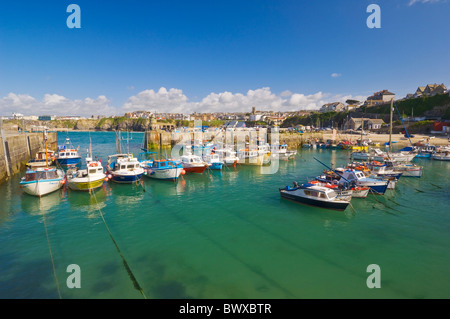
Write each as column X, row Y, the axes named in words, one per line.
column 226, row 235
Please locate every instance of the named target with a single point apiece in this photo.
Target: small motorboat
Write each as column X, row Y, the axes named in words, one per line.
column 316, row 195
column 67, row 155
column 165, row 169
column 357, row 178
column 43, row 158
column 213, row 161
column 193, row 164
column 86, row 179
column 42, row 181
column 124, row 168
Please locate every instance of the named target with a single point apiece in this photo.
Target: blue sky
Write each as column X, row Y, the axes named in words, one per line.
column 207, row 56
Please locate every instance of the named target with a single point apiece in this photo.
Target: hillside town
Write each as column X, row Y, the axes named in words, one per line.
column 368, row 119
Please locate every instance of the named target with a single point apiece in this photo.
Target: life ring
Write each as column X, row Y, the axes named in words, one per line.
column 93, row 164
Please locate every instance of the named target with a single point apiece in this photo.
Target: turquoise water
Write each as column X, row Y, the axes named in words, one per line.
column 227, row 235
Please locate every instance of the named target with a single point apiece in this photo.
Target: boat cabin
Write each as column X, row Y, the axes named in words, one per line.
column 41, row 175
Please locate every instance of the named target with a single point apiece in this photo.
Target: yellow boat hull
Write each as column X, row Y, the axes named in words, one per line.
column 85, row 186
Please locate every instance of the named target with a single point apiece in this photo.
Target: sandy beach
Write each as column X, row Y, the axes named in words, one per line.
column 399, row 138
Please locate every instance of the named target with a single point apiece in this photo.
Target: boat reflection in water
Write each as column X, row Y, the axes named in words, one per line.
column 88, row 203
column 38, row 206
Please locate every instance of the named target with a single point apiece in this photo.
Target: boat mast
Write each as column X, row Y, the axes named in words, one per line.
column 46, row 154
column 390, row 125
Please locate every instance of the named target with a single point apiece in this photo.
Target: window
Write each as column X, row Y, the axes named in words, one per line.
column 122, row 166
column 92, row 171
column 130, row 166
column 30, row 177
column 162, row 164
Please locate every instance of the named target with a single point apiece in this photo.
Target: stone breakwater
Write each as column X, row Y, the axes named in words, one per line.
column 157, row 139
column 16, row 150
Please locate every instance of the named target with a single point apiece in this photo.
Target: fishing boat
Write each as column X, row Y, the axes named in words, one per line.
column 42, row 159
column 165, row 169
column 193, row 164
column 86, row 179
column 213, row 161
column 315, row 195
column 331, row 178
column 441, row 156
column 407, row 169
column 358, row 178
column 281, row 152
column 250, row 157
column 67, row 155
column 227, row 156
column 42, row 181
column 124, row 168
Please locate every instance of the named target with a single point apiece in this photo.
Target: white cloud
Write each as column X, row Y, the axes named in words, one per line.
column 335, row 75
column 411, row 2
column 286, row 93
column 264, row 99
column 171, row 101
column 54, row 104
column 164, row 100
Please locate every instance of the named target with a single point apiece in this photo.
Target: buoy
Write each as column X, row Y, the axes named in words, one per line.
column 106, row 179
column 183, row 172
column 109, row 176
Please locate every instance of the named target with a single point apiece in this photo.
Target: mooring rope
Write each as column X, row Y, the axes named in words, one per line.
column 51, row 255
column 127, row 267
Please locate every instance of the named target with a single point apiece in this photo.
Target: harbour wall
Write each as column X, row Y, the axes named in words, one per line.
column 16, row 150
column 162, row 139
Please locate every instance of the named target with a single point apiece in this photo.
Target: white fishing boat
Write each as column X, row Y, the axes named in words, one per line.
column 250, row 157
column 331, row 178
column 193, row 164
column 165, row 169
column 441, row 156
column 281, row 152
column 227, row 156
column 124, row 168
column 43, row 158
column 315, row 195
column 42, row 181
column 407, row 169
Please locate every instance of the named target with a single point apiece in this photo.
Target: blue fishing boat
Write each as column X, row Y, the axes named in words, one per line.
column 124, row 168
column 358, row 178
column 67, row 155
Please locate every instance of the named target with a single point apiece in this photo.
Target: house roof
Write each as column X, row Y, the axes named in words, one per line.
column 376, row 121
